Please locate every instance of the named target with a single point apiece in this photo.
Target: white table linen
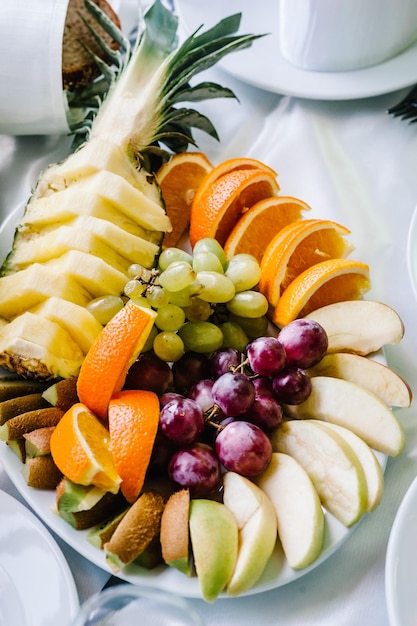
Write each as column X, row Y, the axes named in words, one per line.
column 353, row 163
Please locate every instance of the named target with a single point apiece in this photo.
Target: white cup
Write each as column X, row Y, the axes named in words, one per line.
column 31, row 94
column 340, row 35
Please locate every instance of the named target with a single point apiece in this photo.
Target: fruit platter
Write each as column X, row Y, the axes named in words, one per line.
column 194, row 394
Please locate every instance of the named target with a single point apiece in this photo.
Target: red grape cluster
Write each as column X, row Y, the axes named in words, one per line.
column 217, row 410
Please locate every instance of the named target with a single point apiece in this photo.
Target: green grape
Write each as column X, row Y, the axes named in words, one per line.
column 177, row 276
column 202, row 337
column 172, row 255
column 157, row 296
column 183, row 297
column 134, row 288
column 105, row 307
column 244, row 271
column 234, row 336
column 254, row 327
column 141, row 301
column 149, row 341
column 207, row 261
column 198, row 310
column 135, row 270
column 170, row 317
column 209, row 244
column 168, row 346
column 248, row 304
column 216, row 287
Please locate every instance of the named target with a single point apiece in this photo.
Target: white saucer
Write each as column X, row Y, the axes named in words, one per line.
column 35, row 579
column 401, row 563
column 263, row 66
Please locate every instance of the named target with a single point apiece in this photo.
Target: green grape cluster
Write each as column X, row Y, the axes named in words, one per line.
column 203, row 300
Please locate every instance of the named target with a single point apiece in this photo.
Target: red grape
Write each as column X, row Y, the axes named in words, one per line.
column 182, row 421
column 266, row 356
column 305, row 343
column 197, row 468
column 233, row 393
column 151, row 373
column 224, row 360
column 265, row 412
column 189, row 369
column 243, row 448
column 292, row 386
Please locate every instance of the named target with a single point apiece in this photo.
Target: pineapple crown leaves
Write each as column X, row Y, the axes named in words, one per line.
column 159, row 73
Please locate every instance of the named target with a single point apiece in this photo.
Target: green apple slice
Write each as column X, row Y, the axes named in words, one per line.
column 331, row 464
column 360, row 326
column 354, row 407
column 257, row 523
column 298, row 509
column 373, row 375
column 214, row 541
column 367, row 458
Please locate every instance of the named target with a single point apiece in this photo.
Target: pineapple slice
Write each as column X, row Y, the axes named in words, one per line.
column 79, row 323
column 114, row 189
column 63, row 206
column 31, row 343
column 92, row 274
column 23, row 290
column 89, row 234
column 96, row 156
column 63, row 247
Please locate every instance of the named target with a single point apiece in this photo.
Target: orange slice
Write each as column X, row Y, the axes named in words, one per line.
column 259, row 224
column 297, row 247
column 178, row 180
column 231, row 165
column 327, row 282
column 80, row 447
column 214, row 213
column 115, row 349
column 133, row 424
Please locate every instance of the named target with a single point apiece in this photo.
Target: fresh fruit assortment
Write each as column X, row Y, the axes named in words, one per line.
column 203, row 431
column 207, row 403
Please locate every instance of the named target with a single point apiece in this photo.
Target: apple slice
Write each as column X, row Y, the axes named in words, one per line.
column 354, row 407
column 331, row 464
column 367, row 458
column 360, row 326
column 298, row 509
column 257, row 524
column 374, row 376
column 214, row 541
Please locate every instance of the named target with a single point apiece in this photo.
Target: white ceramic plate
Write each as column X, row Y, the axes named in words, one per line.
column 263, row 66
column 401, row 563
column 276, row 574
column 412, row 252
column 35, row 579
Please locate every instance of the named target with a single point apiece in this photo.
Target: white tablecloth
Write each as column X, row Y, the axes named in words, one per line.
column 351, row 162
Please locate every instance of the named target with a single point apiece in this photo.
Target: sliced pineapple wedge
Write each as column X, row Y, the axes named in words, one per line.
column 23, row 290
column 110, row 187
column 93, row 235
column 63, row 206
column 33, row 343
column 97, row 155
column 93, row 274
column 80, row 324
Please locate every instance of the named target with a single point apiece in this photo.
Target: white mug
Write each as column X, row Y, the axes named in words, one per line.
column 340, row 35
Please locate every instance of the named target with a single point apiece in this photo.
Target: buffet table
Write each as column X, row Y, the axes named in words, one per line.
column 350, row 162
